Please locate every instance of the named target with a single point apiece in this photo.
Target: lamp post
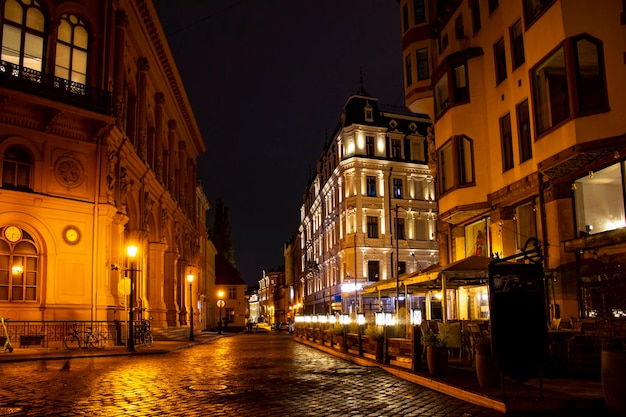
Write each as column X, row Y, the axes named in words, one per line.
column 131, row 250
column 190, row 280
column 220, row 304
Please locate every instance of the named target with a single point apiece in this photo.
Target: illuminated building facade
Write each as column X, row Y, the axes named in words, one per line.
column 372, row 178
column 526, row 99
column 99, row 145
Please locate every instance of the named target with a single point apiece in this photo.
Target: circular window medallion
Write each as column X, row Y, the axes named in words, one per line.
column 69, row 171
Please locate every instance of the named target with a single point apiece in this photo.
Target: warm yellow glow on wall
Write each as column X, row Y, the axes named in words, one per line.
column 350, row 147
column 380, row 145
column 360, row 141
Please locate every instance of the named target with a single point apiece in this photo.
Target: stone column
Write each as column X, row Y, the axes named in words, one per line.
column 121, row 23
column 155, row 286
column 159, row 99
column 142, row 105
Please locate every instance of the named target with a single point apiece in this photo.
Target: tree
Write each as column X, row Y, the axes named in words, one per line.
column 222, row 233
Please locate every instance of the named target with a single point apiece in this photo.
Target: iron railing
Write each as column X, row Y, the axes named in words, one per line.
column 24, row 79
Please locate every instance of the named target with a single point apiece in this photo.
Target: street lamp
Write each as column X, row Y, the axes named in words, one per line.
column 190, row 280
column 131, row 250
column 220, row 304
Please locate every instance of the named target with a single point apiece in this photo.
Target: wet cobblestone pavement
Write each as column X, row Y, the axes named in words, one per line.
column 244, row 375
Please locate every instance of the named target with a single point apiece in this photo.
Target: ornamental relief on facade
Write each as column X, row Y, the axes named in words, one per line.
column 69, row 171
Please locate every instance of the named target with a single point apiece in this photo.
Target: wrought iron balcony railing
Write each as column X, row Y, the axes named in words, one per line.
column 24, row 79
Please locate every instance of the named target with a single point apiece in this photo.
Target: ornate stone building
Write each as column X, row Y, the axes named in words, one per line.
column 99, row 149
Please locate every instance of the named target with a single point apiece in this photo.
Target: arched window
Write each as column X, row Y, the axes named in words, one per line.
column 71, row 50
column 16, row 167
column 23, row 30
column 19, row 265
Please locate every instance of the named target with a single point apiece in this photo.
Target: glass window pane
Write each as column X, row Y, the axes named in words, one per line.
column 4, row 293
column 31, row 278
column 35, row 19
column 17, row 293
column 466, row 169
column 79, row 66
column 441, row 94
column 81, row 38
column 597, row 208
column 589, row 76
column 11, row 46
column 65, row 31
column 62, row 56
column 13, row 11
column 446, row 167
column 4, row 277
column 551, row 96
column 33, row 52
column 23, row 175
column 31, row 294
column 8, row 173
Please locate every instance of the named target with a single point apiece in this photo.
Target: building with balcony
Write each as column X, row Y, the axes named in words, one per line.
column 99, row 149
column 528, row 140
column 369, row 213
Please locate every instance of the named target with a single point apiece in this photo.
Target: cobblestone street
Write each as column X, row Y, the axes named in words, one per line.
column 264, row 374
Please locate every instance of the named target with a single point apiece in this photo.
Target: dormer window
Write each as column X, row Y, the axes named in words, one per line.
column 369, row 112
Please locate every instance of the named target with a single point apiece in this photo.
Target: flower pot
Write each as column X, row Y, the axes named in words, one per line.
column 486, row 371
column 614, row 380
column 437, row 360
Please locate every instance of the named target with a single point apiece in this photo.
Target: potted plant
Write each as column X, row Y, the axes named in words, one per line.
column 486, row 369
column 436, row 352
column 613, row 374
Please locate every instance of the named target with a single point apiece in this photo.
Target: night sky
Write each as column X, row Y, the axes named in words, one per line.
column 267, row 81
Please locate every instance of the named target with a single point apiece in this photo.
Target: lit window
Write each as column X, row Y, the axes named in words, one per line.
column 597, row 208
column 507, row 142
column 23, row 32
column 16, row 167
column 397, row 187
column 19, row 264
column 232, row 293
column 71, row 50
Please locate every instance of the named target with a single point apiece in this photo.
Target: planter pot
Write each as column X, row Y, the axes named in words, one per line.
column 437, row 360
column 614, row 380
column 487, row 371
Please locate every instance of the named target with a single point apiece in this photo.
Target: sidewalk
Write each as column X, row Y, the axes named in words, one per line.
column 159, row 347
column 460, row 381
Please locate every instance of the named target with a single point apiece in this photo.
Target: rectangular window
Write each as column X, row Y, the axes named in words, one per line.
column 534, row 8
column 232, row 293
column 442, row 95
column 599, row 201
column 500, row 60
column 408, row 70
column 417, row 150
column 589, row 78
column 372, row 226
column 419, row 11
column 476, row 242
column 525, row 223
column 396, row 149
column 461, row 93
column 517, row 44
column 423, row 71
column 373, row 269
column 458, row 27
column 523, row 132
column 493, row 5
column 399, row 223
column 405, row 18
column 507, row 142
column 397, row 188
column 474, row 4
column 229, row 315
column 371, row 186
column 550, row 93
column 401, row 267
column 456, row 163
column 369, row 145
column 421, row 227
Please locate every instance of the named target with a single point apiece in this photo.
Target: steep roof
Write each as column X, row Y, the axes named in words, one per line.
column 225, row 273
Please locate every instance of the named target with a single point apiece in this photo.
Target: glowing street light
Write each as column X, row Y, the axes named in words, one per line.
column 190, row 280
column 220, row 304
column 131, row 250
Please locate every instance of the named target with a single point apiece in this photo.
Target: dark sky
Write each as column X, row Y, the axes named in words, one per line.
column 267, row 81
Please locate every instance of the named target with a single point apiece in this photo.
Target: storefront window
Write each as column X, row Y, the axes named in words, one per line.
column 599, row 200
column 476, row 242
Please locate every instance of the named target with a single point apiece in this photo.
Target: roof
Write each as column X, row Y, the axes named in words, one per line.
column 225, row 273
